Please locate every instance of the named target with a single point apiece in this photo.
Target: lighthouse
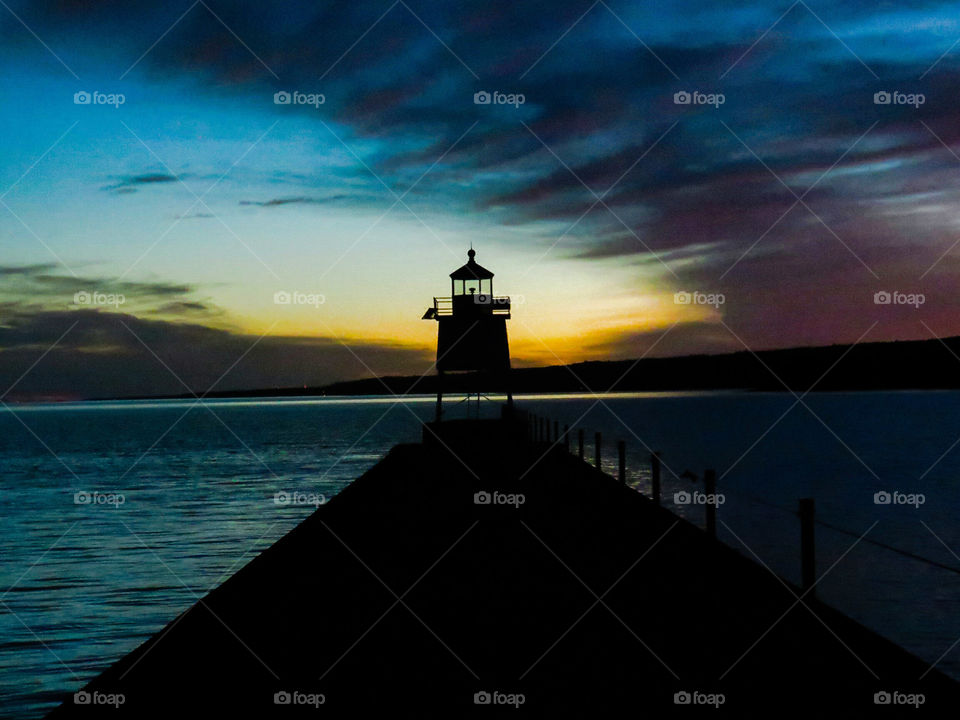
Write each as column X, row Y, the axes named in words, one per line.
column 472, row 330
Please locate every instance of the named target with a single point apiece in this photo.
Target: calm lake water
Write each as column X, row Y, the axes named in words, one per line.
column 84, row 578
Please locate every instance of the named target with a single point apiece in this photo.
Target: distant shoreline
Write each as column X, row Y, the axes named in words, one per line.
column 900, row 365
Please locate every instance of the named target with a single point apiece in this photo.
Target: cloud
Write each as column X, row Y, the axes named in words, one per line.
column 188, row 309
column 596, row 96
column 38, row 287
column 276, row 202
column 685, row 338
column 131, row 183
column 113, row 350
column 117, row 354
column 695, row 196
column 26, row 270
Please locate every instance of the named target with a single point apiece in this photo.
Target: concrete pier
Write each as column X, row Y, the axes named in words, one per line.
column 479, row 572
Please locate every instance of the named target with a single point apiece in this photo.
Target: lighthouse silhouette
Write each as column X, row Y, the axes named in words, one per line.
column 472, row 331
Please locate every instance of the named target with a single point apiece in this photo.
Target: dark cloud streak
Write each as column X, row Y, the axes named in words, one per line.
column 106, row 354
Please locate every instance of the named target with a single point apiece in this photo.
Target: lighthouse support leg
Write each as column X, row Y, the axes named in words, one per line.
column 439, row 394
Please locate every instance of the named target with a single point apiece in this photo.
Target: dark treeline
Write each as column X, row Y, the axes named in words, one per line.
column 917, row 364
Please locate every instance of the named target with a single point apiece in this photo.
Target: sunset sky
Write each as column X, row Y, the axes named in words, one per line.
column 594, row 201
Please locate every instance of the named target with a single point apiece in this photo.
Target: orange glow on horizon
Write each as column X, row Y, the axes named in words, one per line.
column 537, row 337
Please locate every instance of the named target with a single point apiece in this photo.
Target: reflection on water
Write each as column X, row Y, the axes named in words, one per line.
column 174, row 497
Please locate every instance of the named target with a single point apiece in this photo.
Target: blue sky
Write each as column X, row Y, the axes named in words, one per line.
column 595, row 201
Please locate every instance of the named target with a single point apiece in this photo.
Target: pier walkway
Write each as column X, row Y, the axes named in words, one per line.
column 481, row 574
